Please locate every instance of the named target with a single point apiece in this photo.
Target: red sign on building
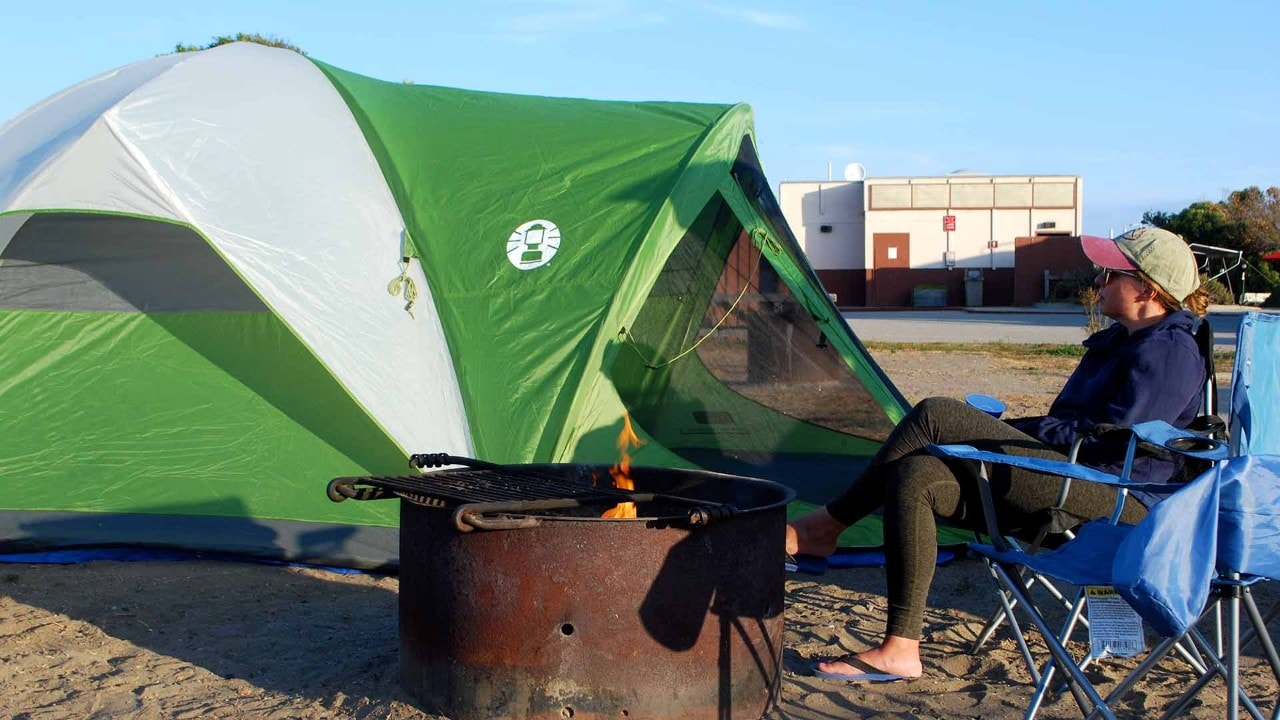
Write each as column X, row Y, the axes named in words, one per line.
column 948, row 223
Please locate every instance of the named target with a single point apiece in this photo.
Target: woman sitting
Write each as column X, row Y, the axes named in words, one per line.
column 1146, row 366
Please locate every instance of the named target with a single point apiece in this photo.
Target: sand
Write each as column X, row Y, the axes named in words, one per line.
column 239, row 640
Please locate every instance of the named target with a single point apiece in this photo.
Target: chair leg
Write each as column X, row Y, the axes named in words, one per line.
column 1188, row 651
column 1007, row 604
column 993, row 623
column 1259, row 632
column 1075, row 616
column 1233, row 658
column 1225, row 672
column 1153, row 658
column 1058, row 652
column 1005, row 612
column 999, row 614
column 1180, row 705
column 1053, row 590
column 1016, row 628
column 1217, row 669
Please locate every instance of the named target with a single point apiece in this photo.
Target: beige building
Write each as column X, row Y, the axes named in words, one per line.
column 959, row 239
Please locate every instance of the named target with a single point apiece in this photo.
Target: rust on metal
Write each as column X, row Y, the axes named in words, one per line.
column 589, row 618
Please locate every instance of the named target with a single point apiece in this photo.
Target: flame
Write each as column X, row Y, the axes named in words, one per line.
column 621, row 472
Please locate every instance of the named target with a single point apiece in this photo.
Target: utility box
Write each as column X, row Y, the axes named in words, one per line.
column 928, row 296
column 973, row 288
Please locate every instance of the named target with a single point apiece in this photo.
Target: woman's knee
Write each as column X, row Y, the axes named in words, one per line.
column 935, row 406
column 922, row 480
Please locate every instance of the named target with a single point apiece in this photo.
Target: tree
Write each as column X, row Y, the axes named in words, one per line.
column 269, row 41
column 1256, row 217
column 1248, row 220
column 1206, row 223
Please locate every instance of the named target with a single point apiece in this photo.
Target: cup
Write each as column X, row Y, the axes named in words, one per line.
column 986, row 404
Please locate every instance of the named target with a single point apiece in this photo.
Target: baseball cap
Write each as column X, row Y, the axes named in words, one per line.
column 1159, row 254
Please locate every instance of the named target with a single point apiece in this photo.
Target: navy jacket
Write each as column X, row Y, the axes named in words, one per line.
column 1157, row 373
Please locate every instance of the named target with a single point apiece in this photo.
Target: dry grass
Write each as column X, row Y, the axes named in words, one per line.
column 1029, row 352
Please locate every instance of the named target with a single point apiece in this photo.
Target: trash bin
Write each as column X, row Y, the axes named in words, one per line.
column 973, row 288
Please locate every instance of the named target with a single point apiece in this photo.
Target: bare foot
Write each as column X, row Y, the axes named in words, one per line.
column 814, row 534
column 896, row 656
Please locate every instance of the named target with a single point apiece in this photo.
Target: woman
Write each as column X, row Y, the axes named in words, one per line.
column 1146, row 366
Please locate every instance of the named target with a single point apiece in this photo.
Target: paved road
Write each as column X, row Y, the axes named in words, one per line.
column 992, row 325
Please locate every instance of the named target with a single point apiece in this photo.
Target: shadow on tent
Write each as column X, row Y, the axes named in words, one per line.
column 211, row 529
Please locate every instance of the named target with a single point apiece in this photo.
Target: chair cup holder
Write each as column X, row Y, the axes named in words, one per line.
column 1193, row 444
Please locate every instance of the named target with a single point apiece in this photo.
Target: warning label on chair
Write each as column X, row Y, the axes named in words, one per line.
column 1115, row 629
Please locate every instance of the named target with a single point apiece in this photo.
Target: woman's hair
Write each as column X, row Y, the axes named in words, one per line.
column 1197, row 302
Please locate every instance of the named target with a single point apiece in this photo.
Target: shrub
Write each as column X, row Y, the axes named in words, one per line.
column 1089, row 298
column 1069, row 286
column 1218, row 293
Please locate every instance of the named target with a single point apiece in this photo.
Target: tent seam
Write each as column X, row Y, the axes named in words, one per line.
column 189, row 222
column 600, row 348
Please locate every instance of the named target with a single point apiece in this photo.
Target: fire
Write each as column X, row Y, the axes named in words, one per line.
column 627, row 440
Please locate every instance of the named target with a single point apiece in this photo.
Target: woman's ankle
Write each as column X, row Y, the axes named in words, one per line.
column 815, row 533
column 896, row 655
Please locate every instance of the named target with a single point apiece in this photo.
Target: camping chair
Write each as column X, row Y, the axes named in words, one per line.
column 1165, row 568
column 1249, row 508
column 1082, row 560
column 1254, row 431
column 1208, row 423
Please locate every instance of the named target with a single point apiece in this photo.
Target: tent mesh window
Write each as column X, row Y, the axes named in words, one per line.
column 770, row 350
column 106, row 263
column 724, row 358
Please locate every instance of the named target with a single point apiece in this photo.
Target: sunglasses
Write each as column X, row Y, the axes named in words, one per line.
column 1107, row 274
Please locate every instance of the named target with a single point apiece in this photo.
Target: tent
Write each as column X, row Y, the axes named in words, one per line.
column 229, row 276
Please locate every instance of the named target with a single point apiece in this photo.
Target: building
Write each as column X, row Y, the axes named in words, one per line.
column 960, row 239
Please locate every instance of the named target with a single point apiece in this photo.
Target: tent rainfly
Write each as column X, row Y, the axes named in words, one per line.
column 231, row 275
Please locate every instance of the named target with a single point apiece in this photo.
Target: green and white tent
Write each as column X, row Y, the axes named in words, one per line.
column 229, row 276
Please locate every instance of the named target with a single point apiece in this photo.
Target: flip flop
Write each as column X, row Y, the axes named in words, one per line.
column 866, row 672
column 807, row 564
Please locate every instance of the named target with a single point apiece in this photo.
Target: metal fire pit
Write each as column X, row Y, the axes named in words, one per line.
column 518, row 601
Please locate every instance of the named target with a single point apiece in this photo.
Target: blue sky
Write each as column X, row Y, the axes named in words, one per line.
column 1155, row 104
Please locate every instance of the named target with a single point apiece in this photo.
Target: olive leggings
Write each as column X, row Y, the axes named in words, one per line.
column 915, row 488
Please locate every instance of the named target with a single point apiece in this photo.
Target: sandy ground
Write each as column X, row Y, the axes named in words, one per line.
column 237, row 640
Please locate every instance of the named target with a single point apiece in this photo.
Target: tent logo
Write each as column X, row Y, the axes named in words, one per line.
column 533, row 244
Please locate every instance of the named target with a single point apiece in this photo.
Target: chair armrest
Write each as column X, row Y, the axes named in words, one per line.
column 1057, row 468
column 1183, row 442
column 1156, row 434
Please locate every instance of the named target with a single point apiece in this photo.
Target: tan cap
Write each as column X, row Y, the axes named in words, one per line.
column 1159, row 254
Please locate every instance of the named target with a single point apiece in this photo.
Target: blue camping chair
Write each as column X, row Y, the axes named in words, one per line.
column 1085, row 560
column 1208, row 423
column 1248, row 540
column 1232, row 547
column 1247, row 552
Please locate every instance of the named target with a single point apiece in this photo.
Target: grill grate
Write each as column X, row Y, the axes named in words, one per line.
column 450, row 488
